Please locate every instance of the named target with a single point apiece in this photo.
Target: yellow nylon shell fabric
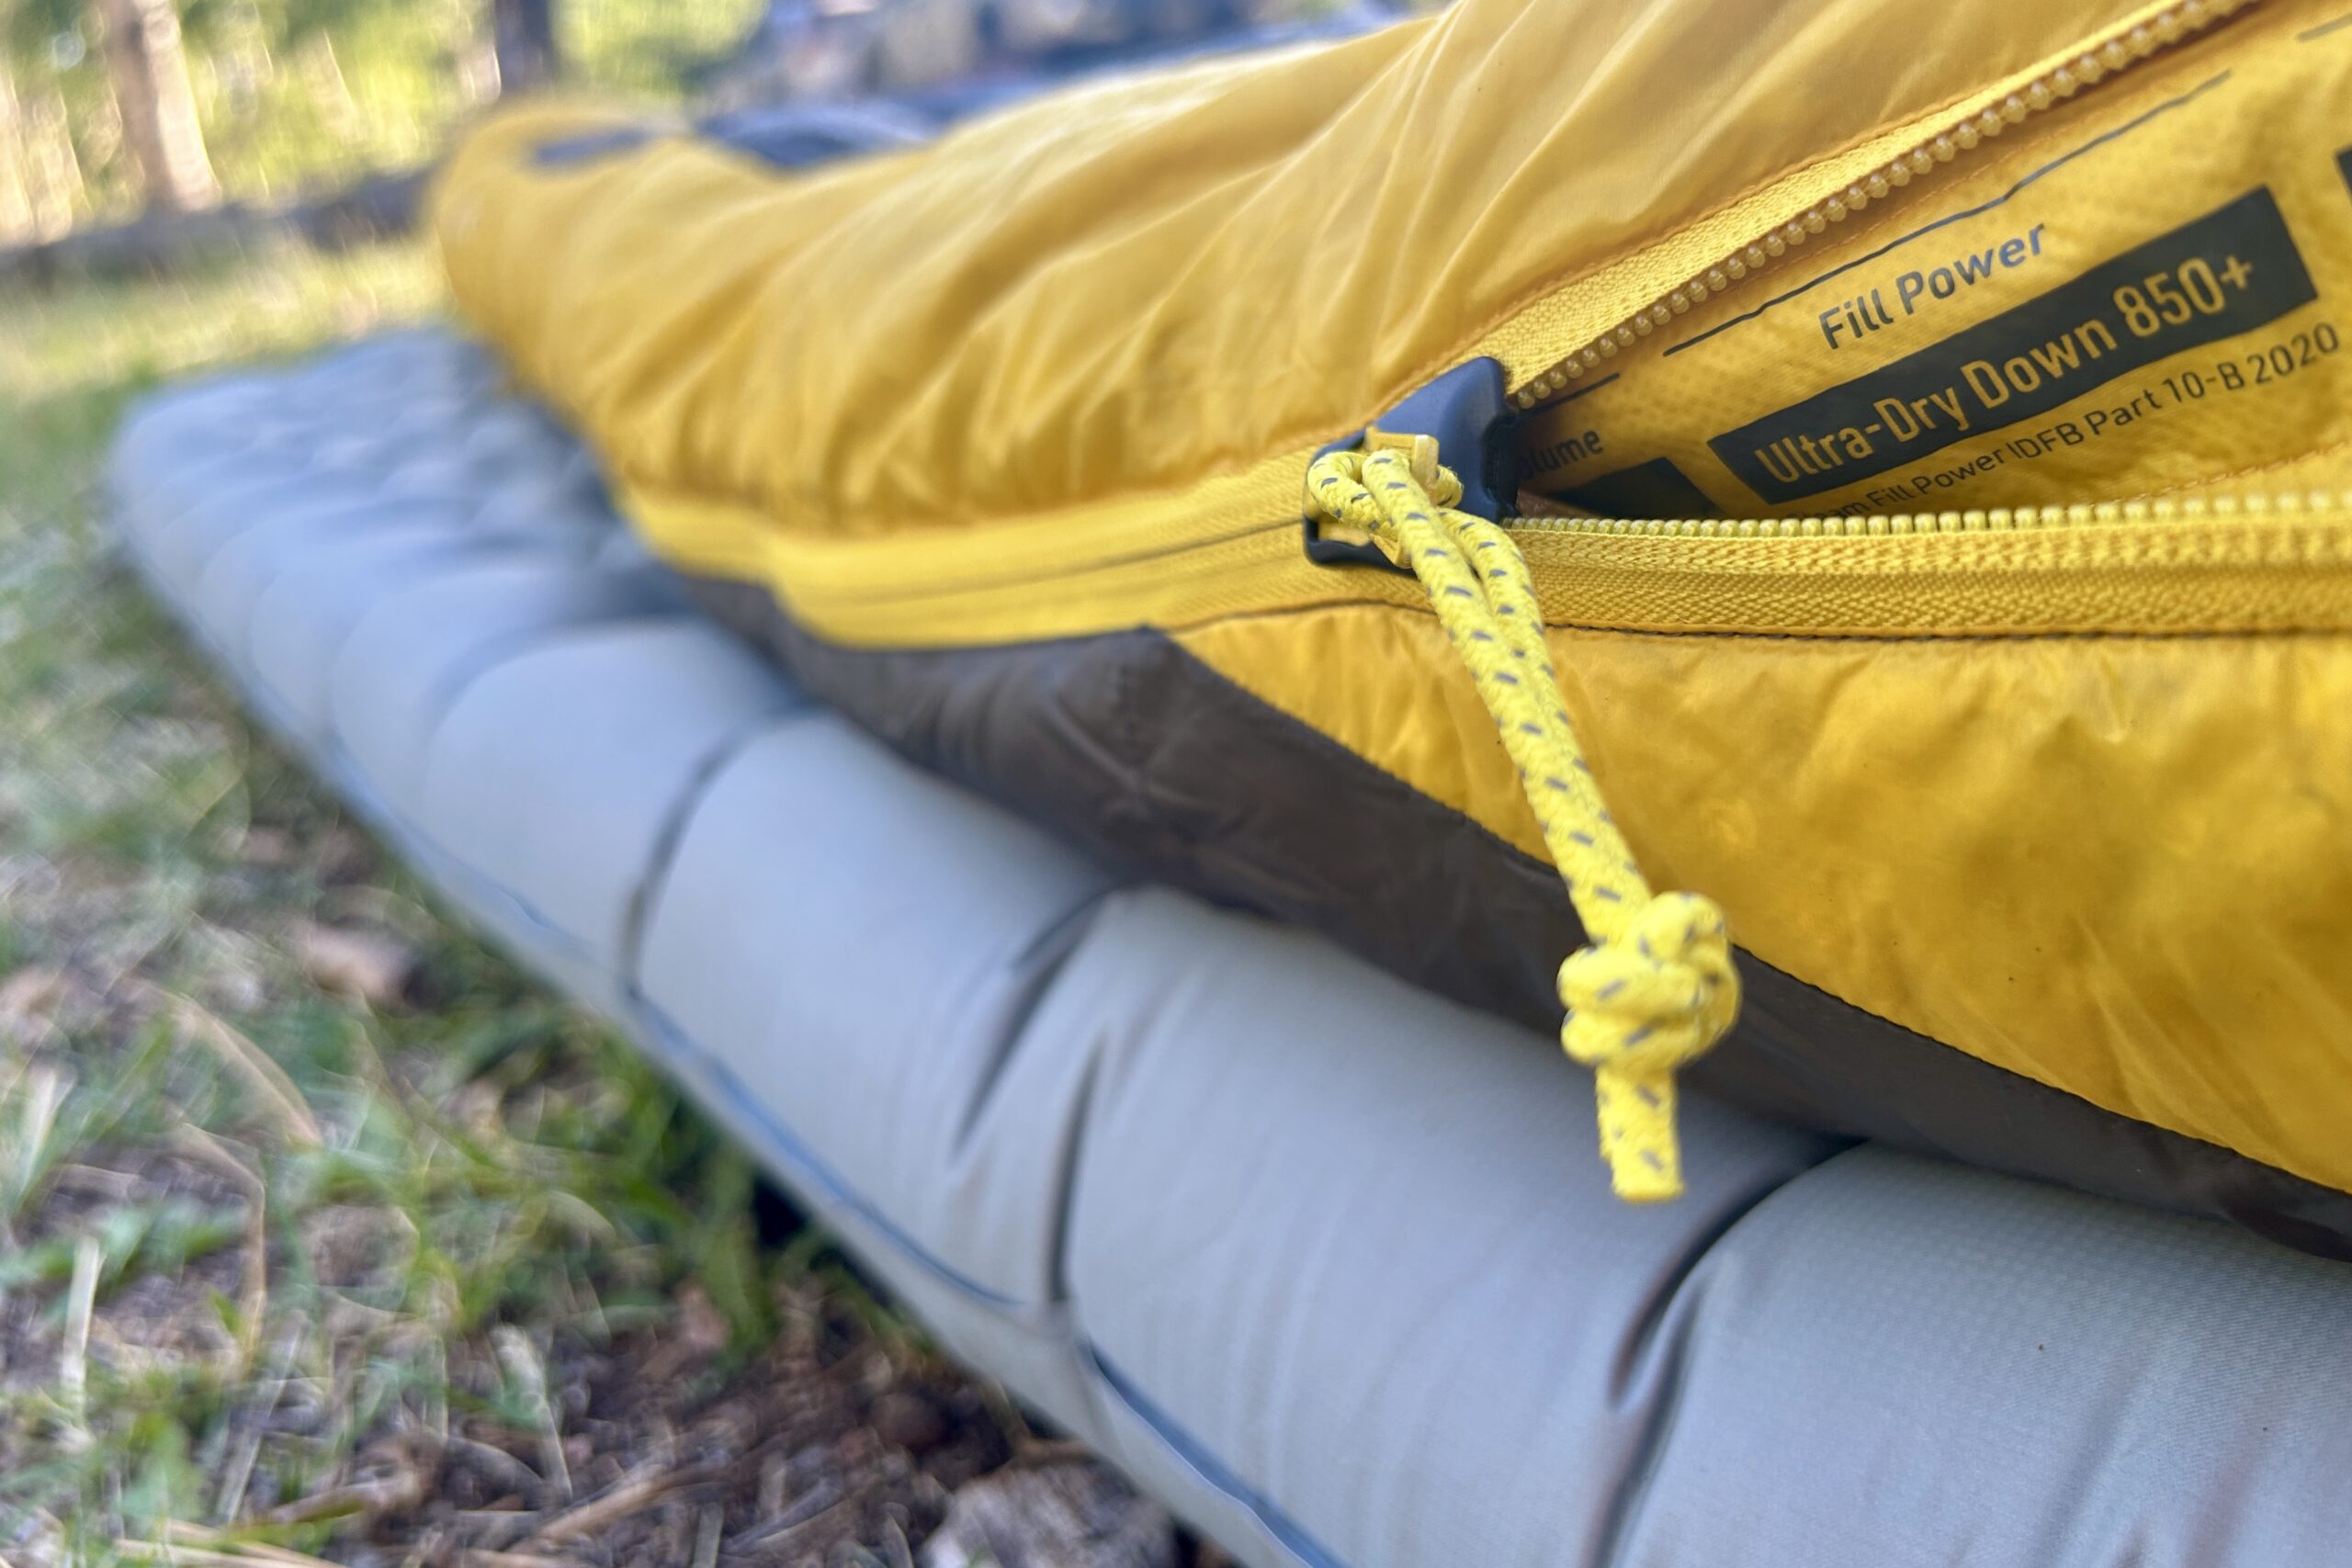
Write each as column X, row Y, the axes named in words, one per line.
column 1123, row 288
column 2115, row 865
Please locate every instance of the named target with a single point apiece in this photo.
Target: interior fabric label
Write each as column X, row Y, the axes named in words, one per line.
column 2141, row 300
column 2234, row 269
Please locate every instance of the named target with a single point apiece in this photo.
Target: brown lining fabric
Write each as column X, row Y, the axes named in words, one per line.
column 1129, row 745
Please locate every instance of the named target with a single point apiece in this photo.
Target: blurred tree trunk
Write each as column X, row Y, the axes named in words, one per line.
column 323, row 73
column 524, row 35
column 158, row 106
column 17, row 224
column 54, row 169
column 478, row 66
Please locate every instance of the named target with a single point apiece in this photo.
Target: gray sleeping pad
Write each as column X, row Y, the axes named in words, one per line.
column 1326, row 1263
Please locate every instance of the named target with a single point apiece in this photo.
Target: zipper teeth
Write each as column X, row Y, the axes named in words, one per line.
column 2112, row 58
column 2286, row 506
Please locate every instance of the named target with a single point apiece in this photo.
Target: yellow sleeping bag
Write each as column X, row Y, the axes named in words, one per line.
column 1917, row 430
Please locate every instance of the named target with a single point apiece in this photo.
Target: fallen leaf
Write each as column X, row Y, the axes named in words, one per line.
column 27, row 998
column 270, row 1081
column 701, row 1327
column 269, row 848
column 376, row 969
column 1072, row 1514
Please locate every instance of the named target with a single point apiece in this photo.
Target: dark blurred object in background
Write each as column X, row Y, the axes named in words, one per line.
column 985, row 51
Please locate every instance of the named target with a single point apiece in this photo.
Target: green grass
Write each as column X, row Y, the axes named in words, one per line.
column 259, row 1243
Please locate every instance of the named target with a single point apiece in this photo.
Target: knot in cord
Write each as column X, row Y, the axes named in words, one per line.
column 1656, row 988
column 1641, row 1003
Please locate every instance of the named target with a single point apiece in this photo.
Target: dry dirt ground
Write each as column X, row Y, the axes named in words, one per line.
column 324, row 1236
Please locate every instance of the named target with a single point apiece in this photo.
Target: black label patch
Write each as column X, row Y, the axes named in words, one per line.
column 1654, row 488
column 2225, row 273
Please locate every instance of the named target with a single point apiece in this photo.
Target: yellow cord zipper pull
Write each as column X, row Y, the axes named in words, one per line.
column 1656, row 988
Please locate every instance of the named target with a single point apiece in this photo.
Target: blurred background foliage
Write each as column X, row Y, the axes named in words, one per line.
column 295, row 97
column 110, row 110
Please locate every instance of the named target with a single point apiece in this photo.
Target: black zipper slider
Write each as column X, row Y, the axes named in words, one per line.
column 1478, row 436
